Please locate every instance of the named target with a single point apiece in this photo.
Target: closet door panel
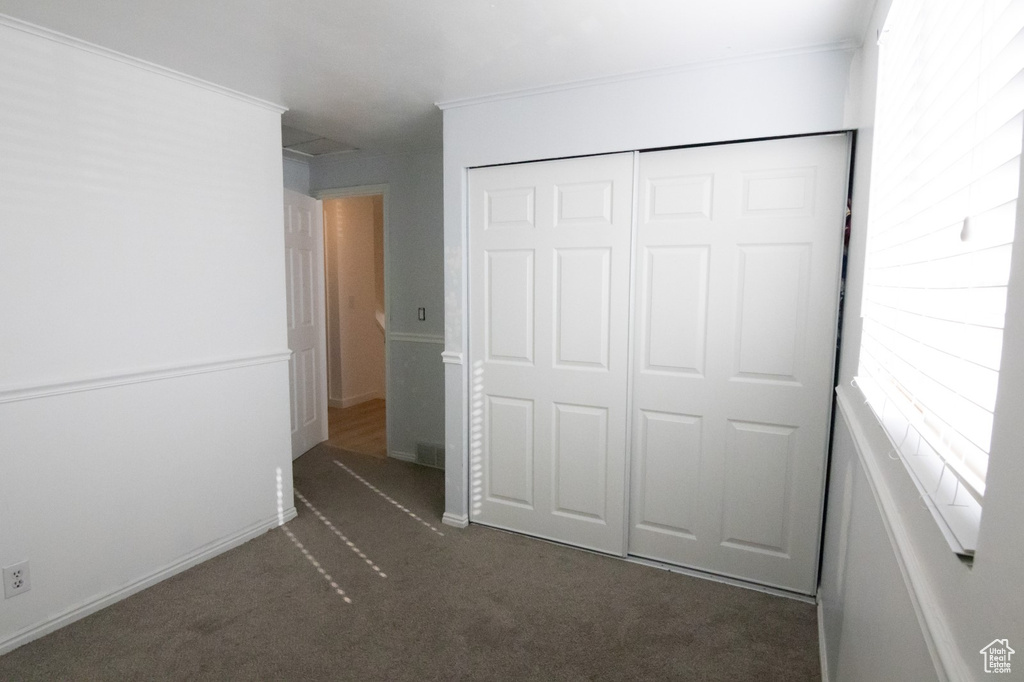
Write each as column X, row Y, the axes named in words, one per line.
column 668, row 460
column 737, row 334
column 509, row 289
column 549, row 304
column 675, row 281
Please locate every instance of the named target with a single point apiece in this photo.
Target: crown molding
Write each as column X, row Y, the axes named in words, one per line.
column 296, row 156
column 368, row 154
column 843, row 46
column 78, row 44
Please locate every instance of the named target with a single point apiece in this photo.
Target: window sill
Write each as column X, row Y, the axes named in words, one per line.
column 957, row 513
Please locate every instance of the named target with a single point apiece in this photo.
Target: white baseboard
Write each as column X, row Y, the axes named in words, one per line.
column 404, row 456
column 822, row 650
column 455, row 520
column 334, row 402
column 361, row 398
column 705, row 575
column 410, row 457
column 194, row 558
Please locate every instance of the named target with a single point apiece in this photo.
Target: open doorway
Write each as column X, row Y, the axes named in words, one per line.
column 356, row 322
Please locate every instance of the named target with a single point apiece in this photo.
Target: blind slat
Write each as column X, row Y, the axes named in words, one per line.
column 981, row 307
column 988, row 268
column 993, row 227
column 981, row 346
column 970, row 380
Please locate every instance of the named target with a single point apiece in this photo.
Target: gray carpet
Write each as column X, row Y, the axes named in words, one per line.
column 473, row 604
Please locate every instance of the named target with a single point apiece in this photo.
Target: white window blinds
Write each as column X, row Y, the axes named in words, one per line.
column 945, row 177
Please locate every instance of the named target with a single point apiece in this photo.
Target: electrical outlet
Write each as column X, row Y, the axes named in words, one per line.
column 16, row 580
column 421, row 314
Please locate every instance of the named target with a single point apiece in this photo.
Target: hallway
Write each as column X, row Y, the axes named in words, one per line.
column 360, row 428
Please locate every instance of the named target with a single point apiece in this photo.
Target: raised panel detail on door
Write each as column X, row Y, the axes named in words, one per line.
column 757, row 490
column 676, row 315
column 551, row 330
column 666, row 473
column 293, row 392
column 510, row 431
column 584, row 204
column 290, row 281
column 583, row 285
column 509, row 306
column 772, row 300
column 779, row 192
column 303, row 221
column 308, row 372
column 306, row 284
column 581, row 459
column 510, row 208
column 679, row 198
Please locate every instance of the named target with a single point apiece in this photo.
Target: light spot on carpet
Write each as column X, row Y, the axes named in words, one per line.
column 333, row 529
column 309, row 558
column 386, row 497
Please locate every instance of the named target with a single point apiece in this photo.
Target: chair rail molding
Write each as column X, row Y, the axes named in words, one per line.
column 410, row 337
column 10, row 395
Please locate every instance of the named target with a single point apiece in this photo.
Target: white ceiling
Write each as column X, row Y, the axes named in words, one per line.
column 368, row 72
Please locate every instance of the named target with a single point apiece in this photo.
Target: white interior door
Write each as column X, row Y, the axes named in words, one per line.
column 549, row 303
column 737, row 259
column 304, row 267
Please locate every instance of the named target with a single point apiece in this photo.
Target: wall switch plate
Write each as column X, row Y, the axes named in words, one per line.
column 16, row 580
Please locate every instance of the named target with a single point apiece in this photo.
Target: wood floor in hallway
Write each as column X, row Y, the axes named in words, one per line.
column 360, row 428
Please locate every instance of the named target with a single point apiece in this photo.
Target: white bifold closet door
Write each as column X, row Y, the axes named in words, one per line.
column 714, row 352
column 738, row 250
column 549, row 310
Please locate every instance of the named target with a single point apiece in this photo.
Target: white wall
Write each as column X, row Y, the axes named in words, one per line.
column 355, row 342
column 296, row 175
column 783, row 95
column 414, row 266
column 143, row 381
column 891, row 588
